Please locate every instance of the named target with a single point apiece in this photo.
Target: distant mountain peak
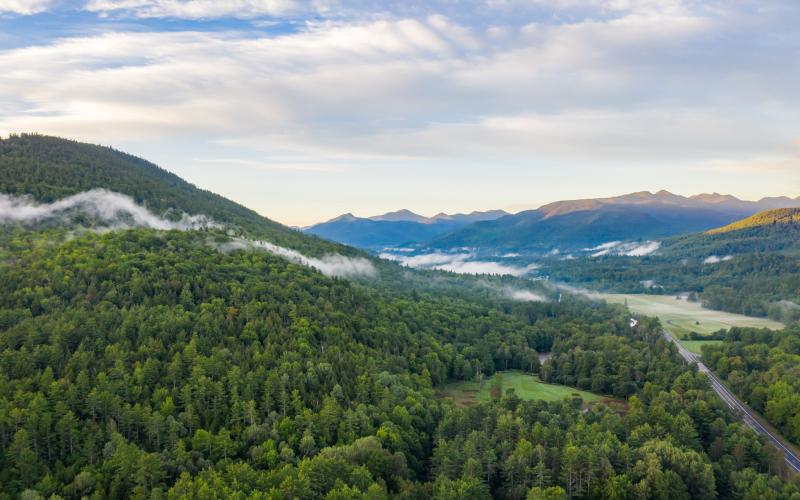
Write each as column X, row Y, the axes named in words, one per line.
column 402, row 215
column 344, row 217
column 715, row 198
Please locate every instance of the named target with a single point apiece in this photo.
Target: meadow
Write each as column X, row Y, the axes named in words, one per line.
column 526, row 386
column 682, row 317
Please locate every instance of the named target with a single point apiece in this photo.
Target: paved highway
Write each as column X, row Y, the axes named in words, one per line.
column 792, row 460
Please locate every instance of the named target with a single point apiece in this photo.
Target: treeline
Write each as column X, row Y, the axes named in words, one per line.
column 763, row 367
column 147, row 364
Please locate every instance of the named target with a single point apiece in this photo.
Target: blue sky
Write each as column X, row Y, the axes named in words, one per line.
column 305, row 110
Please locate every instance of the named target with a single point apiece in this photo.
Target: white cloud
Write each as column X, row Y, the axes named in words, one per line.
column 483, row 267
column 193, row 9
column 460, row 263
column 109, row 207
column 411, row 88
column 629, row 249
column 330, row 265
column 523, row 295
column 425, row 260
column 714, row 259
column 25, row 7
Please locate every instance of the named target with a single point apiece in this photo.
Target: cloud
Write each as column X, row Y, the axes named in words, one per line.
column 630, row 249
column 460, row 263
column 714, row 259
column 25, row 7
column 425, row 260
column 603, row 246
column 584, row 292
column 330, row 265
column 116, row 209
column 523, row 295
column 193, row 9
column 405, row 88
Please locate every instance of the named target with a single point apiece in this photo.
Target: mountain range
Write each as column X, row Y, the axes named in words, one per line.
column 394, row 229
column 564, row 225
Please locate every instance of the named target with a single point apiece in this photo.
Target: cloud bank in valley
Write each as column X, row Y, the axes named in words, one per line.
column 460, row 263
column 715, row 259
column 629, row 249
column 522, row 295
column 118, row 210
column 333, row 265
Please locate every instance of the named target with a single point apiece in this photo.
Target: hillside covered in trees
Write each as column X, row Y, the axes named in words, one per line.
column 171, row 364
column 761, row 219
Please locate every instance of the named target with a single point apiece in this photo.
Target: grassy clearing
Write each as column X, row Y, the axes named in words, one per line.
column 526, row 386
column 682, row 317
column 695, row 346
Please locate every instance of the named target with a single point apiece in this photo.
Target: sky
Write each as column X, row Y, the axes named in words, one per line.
column 303, row 110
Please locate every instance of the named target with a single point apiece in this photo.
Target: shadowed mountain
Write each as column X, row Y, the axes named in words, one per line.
column 393, row 229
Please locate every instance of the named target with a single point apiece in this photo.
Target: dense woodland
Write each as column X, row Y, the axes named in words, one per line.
column 763, row 367
column 149, row 364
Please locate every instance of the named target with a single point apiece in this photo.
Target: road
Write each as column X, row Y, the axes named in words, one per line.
column 739, row 408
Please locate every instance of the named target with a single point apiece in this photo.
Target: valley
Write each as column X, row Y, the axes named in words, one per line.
column 684, row 320
column 160, row 340
column 423, row 250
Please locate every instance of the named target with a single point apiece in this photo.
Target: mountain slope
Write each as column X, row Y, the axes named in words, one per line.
column 766, row 218
column 577, row 224
column 769, row 231
column 51, row 168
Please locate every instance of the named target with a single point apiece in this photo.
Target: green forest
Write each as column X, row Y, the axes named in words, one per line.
column 763, row 368
column 150, row 364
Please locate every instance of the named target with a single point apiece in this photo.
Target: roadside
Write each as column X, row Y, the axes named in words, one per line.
column 751, row 418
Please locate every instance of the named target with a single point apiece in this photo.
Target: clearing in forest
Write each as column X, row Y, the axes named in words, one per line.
column 525, row 385
column 682, row 317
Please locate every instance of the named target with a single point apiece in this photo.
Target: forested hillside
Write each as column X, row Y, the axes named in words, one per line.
column 51, row 168
column 763, row 367
column 148, row 363
column 175, row 364
column 784, row 216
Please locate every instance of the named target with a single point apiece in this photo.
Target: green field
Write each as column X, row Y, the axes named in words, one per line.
column 682, row 317
column 696, row 345
column 525, row 386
